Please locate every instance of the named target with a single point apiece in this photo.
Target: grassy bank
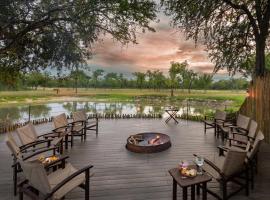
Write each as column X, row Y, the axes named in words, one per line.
column 48, row 94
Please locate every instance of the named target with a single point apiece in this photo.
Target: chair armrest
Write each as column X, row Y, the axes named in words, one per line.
column 32, row 144
column 56, row 130
column 60, row 160
column 66, row 180
column 222, row 149
column 39, row 152
column 45, row 135
column 76, row 122
column 211, row 164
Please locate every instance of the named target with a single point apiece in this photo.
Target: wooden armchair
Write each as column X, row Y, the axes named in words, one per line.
column 89, row 124
column 240, row 126
column 66, row 130
column 212, row 123
column 28, row 154
column 241, row 139
column 252, row 154
column 228, row 169
column 40, row 185
column 29, row 137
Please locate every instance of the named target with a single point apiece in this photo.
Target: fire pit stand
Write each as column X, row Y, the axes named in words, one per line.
column 148, row 142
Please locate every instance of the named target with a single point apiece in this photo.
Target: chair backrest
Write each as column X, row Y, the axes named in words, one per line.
column 13, row 147
column 27, row 134
column 256, row 145
column 79, row 116
column 242, row 121
column 234, row 162
column 60, row 120
column 252, row 129
column 35, row 173
column 220, row 115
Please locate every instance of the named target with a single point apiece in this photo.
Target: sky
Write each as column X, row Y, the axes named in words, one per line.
column 155, row 50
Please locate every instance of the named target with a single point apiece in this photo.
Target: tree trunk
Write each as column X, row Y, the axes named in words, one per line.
column 260, row 56
column 171, row 92
column 257, row 104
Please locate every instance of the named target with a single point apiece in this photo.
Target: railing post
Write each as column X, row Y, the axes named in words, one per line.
column 29, row 113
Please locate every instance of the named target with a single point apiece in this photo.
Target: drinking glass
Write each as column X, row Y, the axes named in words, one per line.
column 199, row 161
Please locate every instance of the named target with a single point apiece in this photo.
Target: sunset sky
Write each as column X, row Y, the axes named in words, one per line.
column 155, row 51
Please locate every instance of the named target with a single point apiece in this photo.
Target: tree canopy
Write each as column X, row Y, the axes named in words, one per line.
column 231, row 29
column 41, row 33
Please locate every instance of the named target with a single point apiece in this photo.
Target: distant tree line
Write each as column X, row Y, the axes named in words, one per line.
column 179, row 77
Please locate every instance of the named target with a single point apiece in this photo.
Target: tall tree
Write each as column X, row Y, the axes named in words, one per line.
column 40, row 33
column 231, row 29
column 140, row 79
column 174, row 74
column 96, row 74
column 204, row 81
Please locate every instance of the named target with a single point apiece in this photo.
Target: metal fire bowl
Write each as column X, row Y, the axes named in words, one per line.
column 143, row 145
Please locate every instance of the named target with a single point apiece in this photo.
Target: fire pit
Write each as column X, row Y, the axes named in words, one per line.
column 148, row 142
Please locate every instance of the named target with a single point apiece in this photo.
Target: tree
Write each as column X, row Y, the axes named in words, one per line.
column 140, row 79
column 41, row 33
column 174, row 71
column 232, row 30
column 189, row 77
column 204, row 81
column 96, row 74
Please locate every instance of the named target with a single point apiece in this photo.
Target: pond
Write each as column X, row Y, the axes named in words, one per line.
column 22, row 113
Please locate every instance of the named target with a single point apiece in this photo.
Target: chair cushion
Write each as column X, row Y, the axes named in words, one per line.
column 209, row 122
column 218, row 161
column 59, row 175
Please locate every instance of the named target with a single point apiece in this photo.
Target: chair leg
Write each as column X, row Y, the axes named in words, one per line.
column 224, row 190
column 252, row 176
column 247, row 181
column 21, row 195
column 204, row 128
column 15, row 180
column 97, row 128
column 87, row 184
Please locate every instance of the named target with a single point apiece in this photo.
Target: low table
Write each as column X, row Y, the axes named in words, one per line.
column 172, row 114
column 184, row 183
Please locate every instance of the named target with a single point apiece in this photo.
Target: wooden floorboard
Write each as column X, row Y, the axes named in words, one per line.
column 120, row 174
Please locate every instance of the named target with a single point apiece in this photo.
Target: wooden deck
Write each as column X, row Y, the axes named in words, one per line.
column 120, row 174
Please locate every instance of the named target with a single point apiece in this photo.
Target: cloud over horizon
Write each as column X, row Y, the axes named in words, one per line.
column 155, row 50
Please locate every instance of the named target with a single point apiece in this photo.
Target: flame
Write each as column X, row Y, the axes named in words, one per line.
column 153, row 141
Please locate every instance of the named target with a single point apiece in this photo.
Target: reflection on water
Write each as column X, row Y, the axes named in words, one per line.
column 21, row 113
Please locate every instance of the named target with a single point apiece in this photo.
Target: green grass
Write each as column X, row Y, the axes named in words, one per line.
column 48, row 94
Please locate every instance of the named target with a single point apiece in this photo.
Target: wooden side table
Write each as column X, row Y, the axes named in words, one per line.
column 184, row 183
column 172, row 114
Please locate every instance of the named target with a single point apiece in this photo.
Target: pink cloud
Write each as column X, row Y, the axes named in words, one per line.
column 155, row 51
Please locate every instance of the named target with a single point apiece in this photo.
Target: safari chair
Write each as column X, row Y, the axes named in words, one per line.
column 241, row 139
column 240, row 126
column 29, row 137
column 66, row 129
column 89, row 124
column 27, row 154
column 225, row 169
column 252, row 154
column 40, row 185
column 212, row 123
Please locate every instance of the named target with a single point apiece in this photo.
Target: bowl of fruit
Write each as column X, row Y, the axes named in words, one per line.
column 186, row 171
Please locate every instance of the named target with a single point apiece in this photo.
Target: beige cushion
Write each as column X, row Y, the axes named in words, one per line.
column 218, row 161
column 79, row 116
column 59, row 175
column 27, row 134
column 60, row 120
